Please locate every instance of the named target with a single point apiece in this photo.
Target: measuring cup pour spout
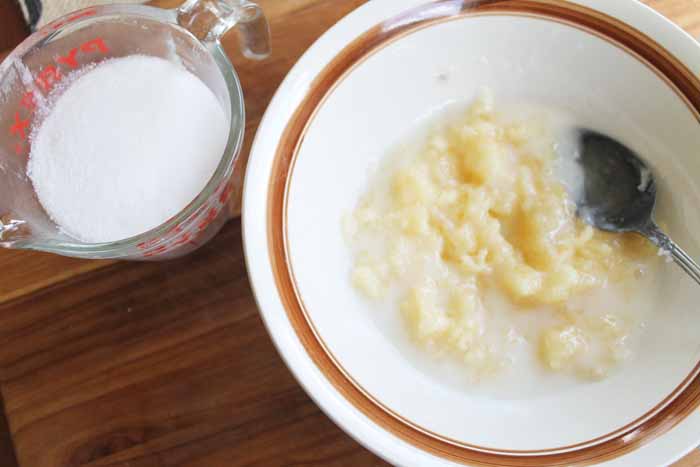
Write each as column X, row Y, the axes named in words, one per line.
column 18, row 205
column 12, row 231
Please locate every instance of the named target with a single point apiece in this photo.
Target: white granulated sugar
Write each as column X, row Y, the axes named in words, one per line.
column 125, row 147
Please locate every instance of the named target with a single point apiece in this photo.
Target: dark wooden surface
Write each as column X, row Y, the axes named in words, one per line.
column 12, row 27
column 164, row 364
column 168, row 364
column 158, row 364
column 12, row 31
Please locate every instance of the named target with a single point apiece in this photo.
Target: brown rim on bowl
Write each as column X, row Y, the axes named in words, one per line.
column 657, row 421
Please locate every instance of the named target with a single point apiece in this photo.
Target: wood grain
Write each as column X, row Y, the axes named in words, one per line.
column 168, row 364
column 685, row 13
column 691, row 460
column 7, row 448
column 12, row 32
column 157, row 364
column 163, row 364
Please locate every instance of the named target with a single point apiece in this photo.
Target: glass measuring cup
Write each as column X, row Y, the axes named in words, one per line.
column 189, row 36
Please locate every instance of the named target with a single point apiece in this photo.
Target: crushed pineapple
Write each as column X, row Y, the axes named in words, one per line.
column 479, row 208
column 559, row 346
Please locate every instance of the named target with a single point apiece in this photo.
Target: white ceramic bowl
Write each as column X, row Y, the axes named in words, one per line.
column 620, row 68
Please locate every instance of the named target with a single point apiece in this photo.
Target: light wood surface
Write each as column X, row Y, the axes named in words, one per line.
column 168, row 364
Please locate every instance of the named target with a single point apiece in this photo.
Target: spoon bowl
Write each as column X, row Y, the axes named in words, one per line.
column 619, row 194
column 619, row 189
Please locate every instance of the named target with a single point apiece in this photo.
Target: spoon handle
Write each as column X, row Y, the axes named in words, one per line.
column 665, row 244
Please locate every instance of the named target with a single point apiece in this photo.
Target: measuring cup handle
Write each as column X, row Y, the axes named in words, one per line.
column 208, row 20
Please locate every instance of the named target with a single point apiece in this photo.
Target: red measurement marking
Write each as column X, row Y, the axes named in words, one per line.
column 95, row 45
column 81, row 14
column 186, row 237
column 48, row 77
column 211, row 215
column 175, row 230
column 147, row 244
column 19, row 127
column 223, row 197
column 69, row 59
column 19, row 149
column 156, row 251
column 28, row 101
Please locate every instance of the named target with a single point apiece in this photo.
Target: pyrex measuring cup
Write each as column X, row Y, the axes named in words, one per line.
column 188, row 36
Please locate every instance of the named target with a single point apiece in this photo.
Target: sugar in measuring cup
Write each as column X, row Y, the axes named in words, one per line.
column 104, row 39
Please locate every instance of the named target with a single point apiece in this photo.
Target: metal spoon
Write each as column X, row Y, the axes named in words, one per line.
column 619, row 194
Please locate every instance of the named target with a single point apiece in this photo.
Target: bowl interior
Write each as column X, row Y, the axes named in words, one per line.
column 380, row 102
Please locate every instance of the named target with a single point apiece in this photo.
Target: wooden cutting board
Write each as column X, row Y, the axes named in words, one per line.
column 168, row 364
